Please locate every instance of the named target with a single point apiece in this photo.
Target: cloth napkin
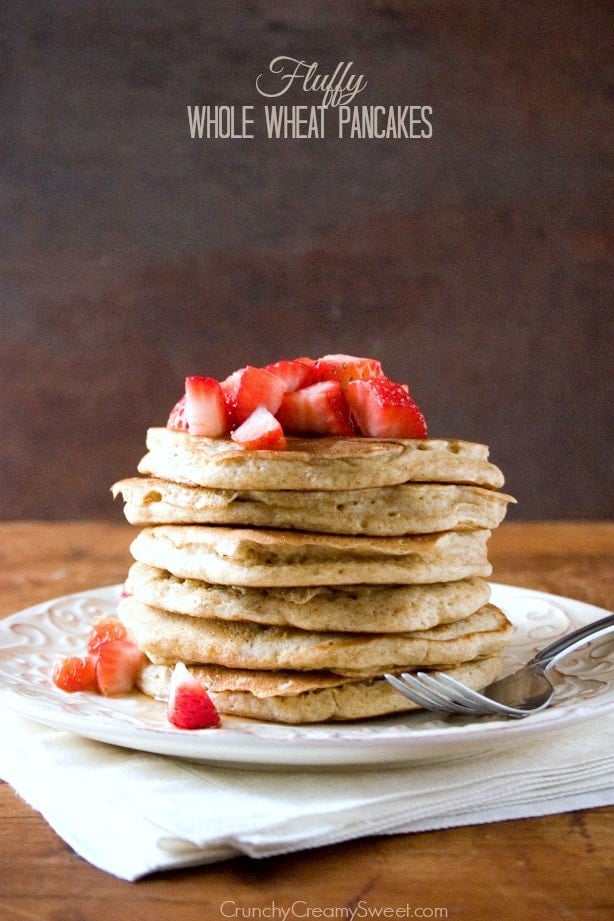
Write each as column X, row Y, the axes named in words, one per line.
column 131, row 813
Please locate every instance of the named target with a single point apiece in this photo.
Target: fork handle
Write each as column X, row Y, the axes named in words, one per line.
column 551, row 654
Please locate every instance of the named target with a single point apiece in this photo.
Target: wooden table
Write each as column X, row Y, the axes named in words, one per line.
column 551, row 867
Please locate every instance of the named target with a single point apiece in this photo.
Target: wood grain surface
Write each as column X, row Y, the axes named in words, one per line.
column 535, row 869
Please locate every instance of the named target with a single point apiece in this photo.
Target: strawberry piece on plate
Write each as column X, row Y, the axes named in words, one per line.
column 260, row 432
column 295, row 373
column 189, row 705
column 384, row 409
column 346, row 368
column 75, row 673
column 320, row 409
column 251, row 387
column 103, row 629
column 177, row 419
column 117, row 666
column 205, row 407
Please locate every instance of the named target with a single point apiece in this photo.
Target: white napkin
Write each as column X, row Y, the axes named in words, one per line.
column 131, row 813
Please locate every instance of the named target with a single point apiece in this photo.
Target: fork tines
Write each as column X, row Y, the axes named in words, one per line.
column 438, row 692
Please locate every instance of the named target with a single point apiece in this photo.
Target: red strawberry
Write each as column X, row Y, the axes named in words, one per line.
column 103, row 629
column 117, row 666
column 297, row 373
column 346, row 368
column 189, row 705
column 229, row 386
column 75, row 673
column 251, row 387
column 383, row 409
column 205, row 407
column 309, row 363
column 261, row 431
column 320, row 409
column 177, row 419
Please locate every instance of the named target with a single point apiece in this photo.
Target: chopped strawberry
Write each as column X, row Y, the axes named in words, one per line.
column 383, row 409
column 117, row 666
column 205, row 407
column 103, row 629
column 177, row 419
column 251, row 387
column 296, row 373
column 346, row 368
column 320, row 409
column 189, row 705
column 75, row 673
column 322, row 397
column 311, row 376
column 260, row 431
column 230, row 386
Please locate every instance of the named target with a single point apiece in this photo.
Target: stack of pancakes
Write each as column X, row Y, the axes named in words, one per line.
column 290, row 582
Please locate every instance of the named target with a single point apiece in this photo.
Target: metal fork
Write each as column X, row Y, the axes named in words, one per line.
column 526, row 691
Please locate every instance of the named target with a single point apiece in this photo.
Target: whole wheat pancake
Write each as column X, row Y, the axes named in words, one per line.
column 413, row 508
column 351, row 608
column 315, row 463
column 167, row 638
column 308, row 697
column 265, row 558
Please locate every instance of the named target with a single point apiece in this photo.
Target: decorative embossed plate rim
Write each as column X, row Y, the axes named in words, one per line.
column 31, row 639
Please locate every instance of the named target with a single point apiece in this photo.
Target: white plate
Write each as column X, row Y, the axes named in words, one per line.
column 31, row 640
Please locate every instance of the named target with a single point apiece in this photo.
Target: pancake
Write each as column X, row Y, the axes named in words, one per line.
column 315, row 463
column 308, row 697
column 351, row 608
column 385, row 511
column 166, row 638
column 266, row 558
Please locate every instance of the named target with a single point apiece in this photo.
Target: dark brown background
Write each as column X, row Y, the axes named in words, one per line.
column 474, row 264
